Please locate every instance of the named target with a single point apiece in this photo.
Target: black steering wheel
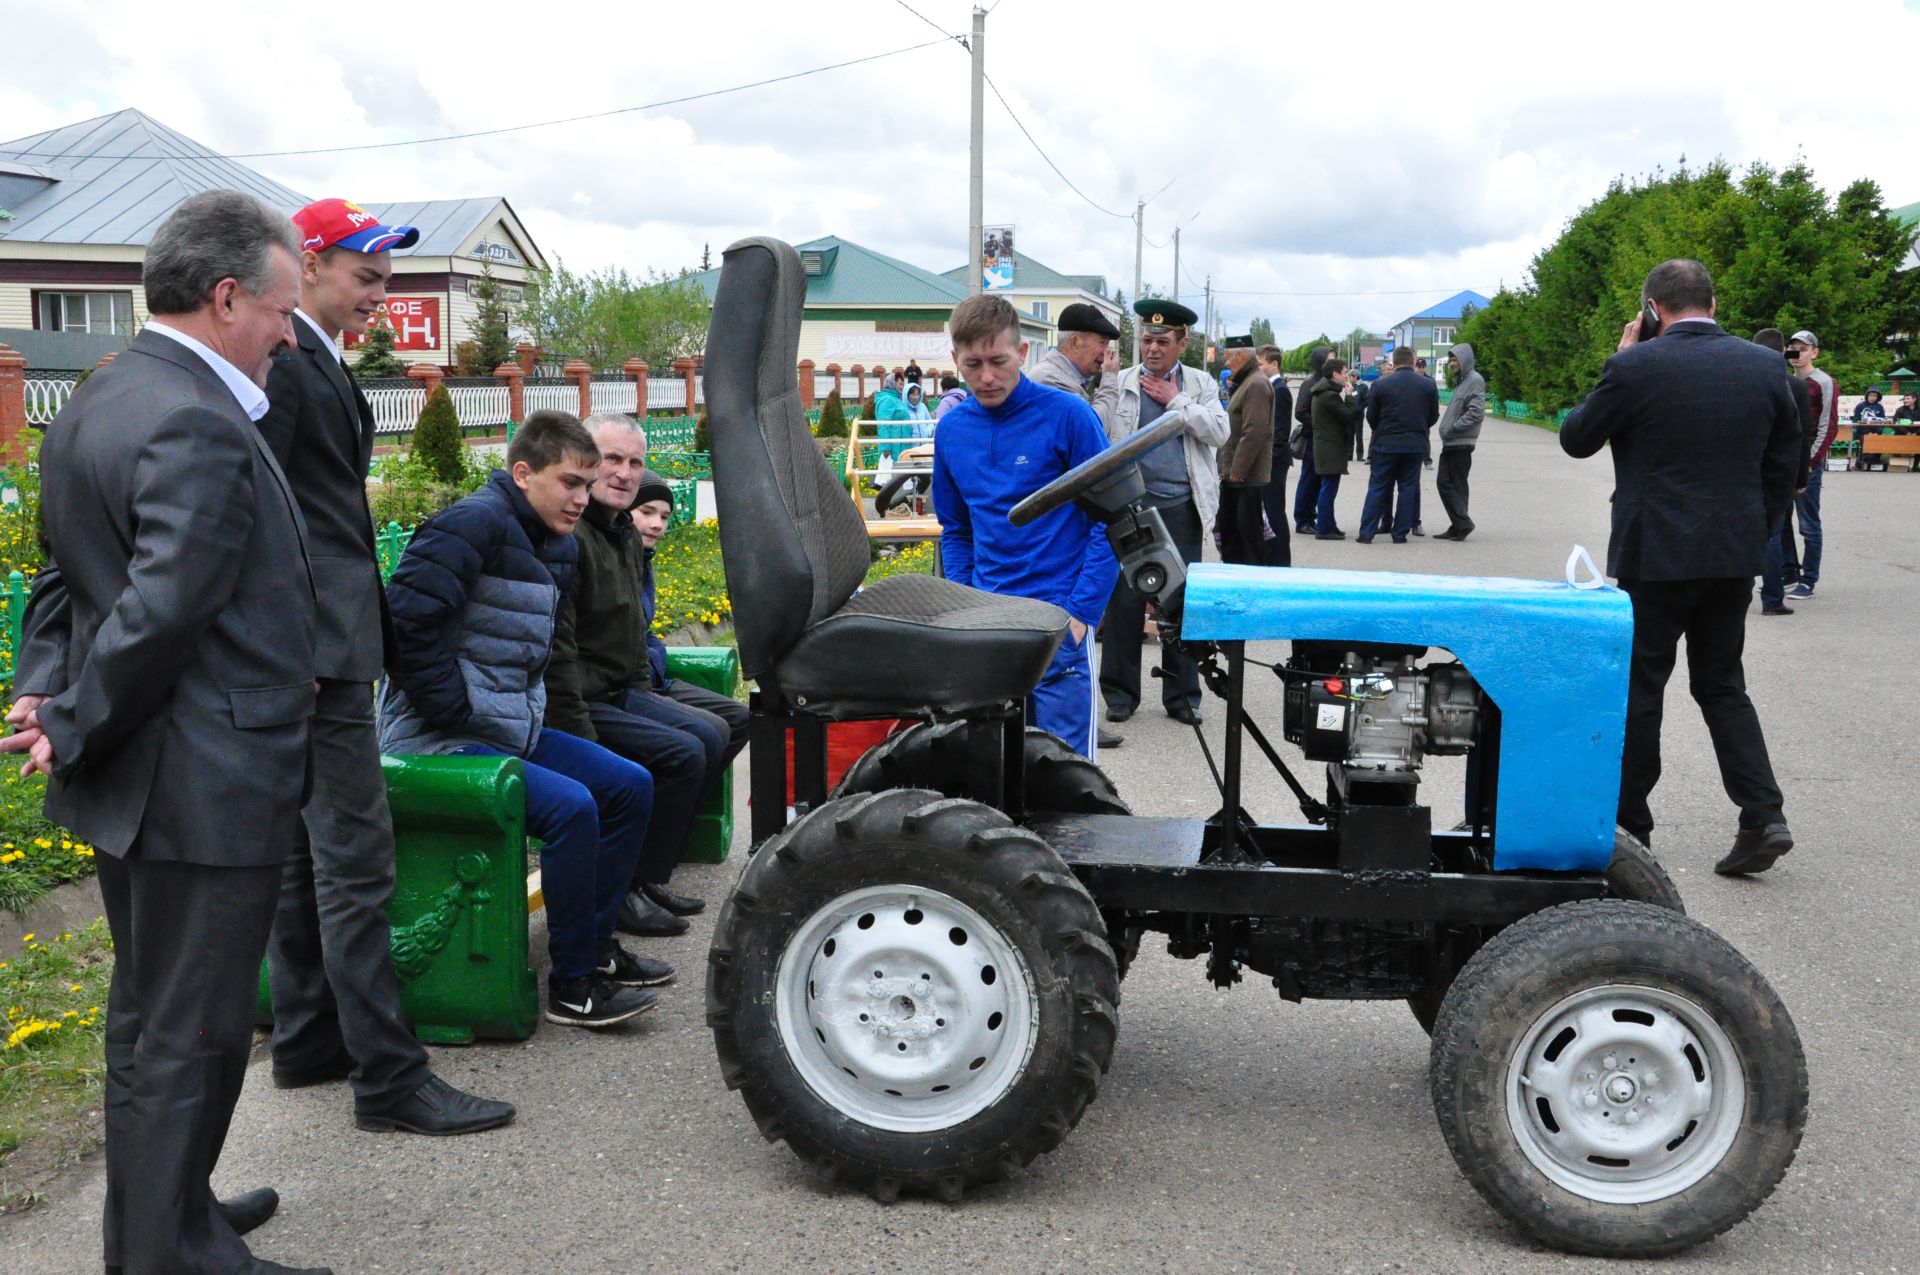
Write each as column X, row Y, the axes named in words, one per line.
column 1085, row 475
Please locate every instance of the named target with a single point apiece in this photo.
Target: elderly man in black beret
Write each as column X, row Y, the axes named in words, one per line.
column 1084, row 353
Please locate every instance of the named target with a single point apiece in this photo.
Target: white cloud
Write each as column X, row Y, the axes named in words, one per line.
column 1391, row 149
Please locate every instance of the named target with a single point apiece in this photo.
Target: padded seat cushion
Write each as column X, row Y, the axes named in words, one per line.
column 910, row 643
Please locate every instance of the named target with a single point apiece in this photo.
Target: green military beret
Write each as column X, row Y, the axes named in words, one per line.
column 1157, row 314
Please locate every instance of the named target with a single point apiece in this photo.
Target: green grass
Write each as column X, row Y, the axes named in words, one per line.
column 35, row 855
column 55, row 995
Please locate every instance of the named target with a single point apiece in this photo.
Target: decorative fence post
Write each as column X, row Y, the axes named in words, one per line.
column 427, row 374
column 683, row 367
column 860, row 386
column 527, row 356
column 13, row 399
column 636, row 370
column 833, row 370
column 806, row 385
column 581, row 374
column 516, row 379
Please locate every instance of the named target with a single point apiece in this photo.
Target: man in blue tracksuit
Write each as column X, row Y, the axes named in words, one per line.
column 1007, row 441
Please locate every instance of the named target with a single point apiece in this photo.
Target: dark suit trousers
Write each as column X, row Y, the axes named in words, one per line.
column 1126, row 619
column 1241, row 525
column 187, row 941
column 1451, row 481
column 675, row 747
column 1273, row 498
column 1712, row 616
column 1390, row 470
column 334, row 987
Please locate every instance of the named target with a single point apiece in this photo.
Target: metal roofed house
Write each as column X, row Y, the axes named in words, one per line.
column 1436, row 327
column 868, row 308
column 1910, row 214
column 1044, row 292
column 81, row 202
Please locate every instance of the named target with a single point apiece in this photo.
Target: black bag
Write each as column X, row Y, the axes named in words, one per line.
column 1299, row 442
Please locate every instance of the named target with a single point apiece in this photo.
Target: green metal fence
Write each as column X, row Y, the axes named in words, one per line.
column 13, row 602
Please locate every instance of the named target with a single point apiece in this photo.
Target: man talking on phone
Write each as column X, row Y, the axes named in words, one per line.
column 1706, row 453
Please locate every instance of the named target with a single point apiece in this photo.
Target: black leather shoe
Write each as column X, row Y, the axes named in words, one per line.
column 642, row 916
column 1776, row 610
column 438, row 1109
column 678, row 904
column 261, row 1266
column 246, row 1211
column 1185, row 715
column 1110, row 739
column 1330, row 535
column 1117, row 715
column 1755, row 849
column 339, row 1067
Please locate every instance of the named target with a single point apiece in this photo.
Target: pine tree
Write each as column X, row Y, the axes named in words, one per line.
column 833, row 418
column 436, row 437
column 377, row 359
column 492, row 342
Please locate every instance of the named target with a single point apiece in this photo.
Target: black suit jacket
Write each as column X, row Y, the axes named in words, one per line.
column 320, row 429
column 1282, row 426
column 173, row 624
column 1706, row 440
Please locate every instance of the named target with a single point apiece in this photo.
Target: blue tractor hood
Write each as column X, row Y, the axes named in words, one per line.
column 1553, row 657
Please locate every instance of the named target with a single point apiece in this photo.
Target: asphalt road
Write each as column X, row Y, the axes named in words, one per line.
column 1236, row 1132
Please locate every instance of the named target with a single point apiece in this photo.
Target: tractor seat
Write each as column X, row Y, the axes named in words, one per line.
column 910, row 642
column 796, row 551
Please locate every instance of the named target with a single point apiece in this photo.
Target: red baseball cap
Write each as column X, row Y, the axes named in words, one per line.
column 341, row 223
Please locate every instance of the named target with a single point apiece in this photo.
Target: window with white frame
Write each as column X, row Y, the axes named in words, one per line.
column 1442, row 336
column 1041, row 309
column 100, row 313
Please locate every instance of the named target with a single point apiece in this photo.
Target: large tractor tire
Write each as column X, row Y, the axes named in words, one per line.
column 1617, row 1080
column 913, row 993
column 933, row 755
column 1634, row 875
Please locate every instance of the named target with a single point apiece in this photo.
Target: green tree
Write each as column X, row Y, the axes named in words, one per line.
column 1262, row 333
column 833, row 418
column 609, row 316
column 436, row 437
column 493, row 345
column 377, row 359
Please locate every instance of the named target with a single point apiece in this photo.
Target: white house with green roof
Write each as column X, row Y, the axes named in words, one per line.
column 864, row 307
column 1043, row 292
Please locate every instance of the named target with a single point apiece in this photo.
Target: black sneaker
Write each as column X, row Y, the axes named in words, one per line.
column 594, row 1002
column 617, row 965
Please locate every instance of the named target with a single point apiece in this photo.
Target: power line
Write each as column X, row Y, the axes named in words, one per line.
column 1043, row 154
column 957, row 38
column 35, row 156
column 1402, row 292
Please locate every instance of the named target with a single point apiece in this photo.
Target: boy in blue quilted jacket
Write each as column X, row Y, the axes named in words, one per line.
column 473, row 603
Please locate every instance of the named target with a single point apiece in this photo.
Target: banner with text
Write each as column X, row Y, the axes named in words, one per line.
column 848, row 348
column 996, row 256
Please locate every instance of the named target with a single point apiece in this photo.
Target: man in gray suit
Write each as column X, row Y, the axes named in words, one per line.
column 165, row 687
column 336, row 999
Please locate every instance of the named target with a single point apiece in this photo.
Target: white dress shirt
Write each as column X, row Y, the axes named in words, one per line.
column 252, row 399
column 321, row 332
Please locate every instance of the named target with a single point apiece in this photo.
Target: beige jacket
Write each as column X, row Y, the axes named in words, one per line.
column 1198, row 405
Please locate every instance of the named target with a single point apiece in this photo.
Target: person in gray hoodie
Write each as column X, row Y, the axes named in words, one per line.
column 1459, row 431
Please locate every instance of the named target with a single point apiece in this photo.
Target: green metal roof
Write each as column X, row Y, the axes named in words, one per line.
column 857, row 276
column 1909, row 213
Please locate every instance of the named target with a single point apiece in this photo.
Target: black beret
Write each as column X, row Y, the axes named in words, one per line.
column 1081, row 317
column 652, row 487
column 1158, row 312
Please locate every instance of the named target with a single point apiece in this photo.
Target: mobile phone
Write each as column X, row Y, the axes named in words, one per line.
column 1649, row 321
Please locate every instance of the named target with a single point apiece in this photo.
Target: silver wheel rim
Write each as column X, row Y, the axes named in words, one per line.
column 904, row 1009
column 1625, row 1095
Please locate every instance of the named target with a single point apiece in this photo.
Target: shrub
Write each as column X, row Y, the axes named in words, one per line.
column 833, row 418
column 377, row 359
column 466, row 356
column 406, row 491
column 702, row 440
column 436, row 437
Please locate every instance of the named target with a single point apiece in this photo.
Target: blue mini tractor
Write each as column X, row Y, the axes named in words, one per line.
column 916, row 982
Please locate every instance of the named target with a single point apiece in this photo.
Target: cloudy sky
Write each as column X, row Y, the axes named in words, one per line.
column 1329, row 171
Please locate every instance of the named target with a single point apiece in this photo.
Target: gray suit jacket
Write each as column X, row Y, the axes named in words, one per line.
column 320, row 429
column 173, row 625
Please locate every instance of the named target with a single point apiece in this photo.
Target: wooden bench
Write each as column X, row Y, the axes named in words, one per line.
column 1890, row 445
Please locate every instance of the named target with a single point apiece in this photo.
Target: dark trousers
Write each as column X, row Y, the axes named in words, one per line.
column 711, row 709
column 1451, row 482
column 1241, row 524
column 1125, row 619
column 1390, row 470
column 1712, row 616
column 589, row 808
column 1807, row 505
column 1329, row 491
column 334, row 987
column 187, row 942
column 1273, row 499
column 1783, row 564
column 1306, row 493
column 685, row 747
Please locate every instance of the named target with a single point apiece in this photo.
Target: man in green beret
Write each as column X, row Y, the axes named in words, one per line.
column 1182, row 483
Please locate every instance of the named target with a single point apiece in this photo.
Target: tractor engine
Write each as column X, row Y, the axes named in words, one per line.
column 1376, row 713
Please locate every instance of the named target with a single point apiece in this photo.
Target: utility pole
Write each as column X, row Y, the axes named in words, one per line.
column 1176, row 263
column 976, row 192
column 1139, row 233
column 1209, row 331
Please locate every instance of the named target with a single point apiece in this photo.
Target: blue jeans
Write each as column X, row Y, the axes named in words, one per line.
column 1391, row 469
column 1306, row 492
column 1323, row 520
column 1807, row 504
column 590, row 807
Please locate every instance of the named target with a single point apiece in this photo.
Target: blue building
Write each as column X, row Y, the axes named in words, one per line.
column 1434, row 330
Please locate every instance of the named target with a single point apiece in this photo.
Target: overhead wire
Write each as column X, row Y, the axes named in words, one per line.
column 35, row 156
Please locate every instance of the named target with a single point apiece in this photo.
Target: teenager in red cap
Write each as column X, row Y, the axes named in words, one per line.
column 336, row 999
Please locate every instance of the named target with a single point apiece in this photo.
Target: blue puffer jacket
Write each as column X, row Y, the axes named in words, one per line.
column 473, row 603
